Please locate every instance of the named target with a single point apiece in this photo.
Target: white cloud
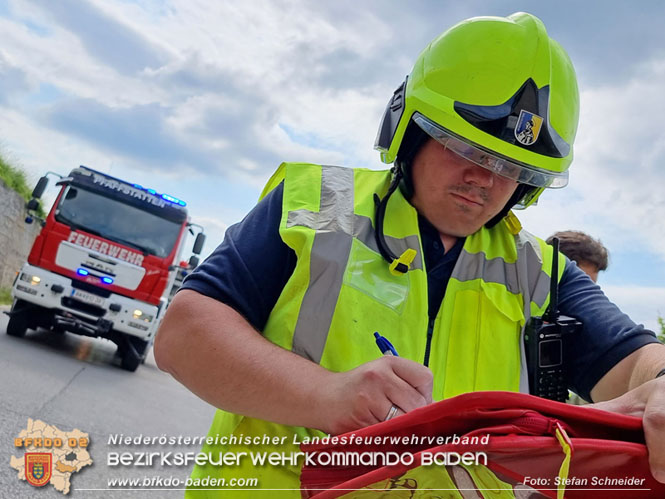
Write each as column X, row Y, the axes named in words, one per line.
column 38, row 149
column 239, row 87
column 616, row 189
column 620, row 153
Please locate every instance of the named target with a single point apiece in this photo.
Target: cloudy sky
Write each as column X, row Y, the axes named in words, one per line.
column 204, row 99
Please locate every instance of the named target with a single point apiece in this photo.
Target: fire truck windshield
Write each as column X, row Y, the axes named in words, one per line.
column 117, row 221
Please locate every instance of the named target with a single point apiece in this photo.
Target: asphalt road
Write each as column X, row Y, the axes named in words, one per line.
column 75, row 382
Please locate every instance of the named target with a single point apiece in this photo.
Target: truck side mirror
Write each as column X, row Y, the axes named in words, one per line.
column 32, row 205
column 193, row 261
column 40, row 187
column 198, row 243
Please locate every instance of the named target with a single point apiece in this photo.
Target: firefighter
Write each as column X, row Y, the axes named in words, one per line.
column 276, row 327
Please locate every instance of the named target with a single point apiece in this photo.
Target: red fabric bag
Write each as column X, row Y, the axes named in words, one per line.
column 534, row 448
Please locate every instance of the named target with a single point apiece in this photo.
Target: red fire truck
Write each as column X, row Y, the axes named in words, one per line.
column 104, row 263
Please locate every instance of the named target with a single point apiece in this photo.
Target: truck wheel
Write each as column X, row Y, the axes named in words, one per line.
column 130, row 361
column 17, row 326
column 18, row 323
column 132, row 357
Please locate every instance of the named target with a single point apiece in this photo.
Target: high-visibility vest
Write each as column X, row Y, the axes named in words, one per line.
column 342, row 291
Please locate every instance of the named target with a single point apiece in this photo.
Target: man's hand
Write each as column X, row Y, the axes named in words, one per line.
column 647, row 401
column 363, row 396
column 214, row 351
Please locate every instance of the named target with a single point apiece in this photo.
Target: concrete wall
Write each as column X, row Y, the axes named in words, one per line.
column 16, row 236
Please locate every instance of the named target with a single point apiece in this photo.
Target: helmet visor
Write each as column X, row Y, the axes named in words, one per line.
column 519, row 172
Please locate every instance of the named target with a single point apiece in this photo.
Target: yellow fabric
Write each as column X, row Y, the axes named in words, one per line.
column 565, row 465
column 479, row 321
column 436, row 481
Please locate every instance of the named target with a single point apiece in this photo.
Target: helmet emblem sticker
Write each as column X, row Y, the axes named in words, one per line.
column 528, row 127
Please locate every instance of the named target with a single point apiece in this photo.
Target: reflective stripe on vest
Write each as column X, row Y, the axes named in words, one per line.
column 336, row 225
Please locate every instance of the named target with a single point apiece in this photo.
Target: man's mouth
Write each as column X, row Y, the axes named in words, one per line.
column 468, row 199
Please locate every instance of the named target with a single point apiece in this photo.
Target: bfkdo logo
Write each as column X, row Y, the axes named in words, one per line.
column 38, row 468
column 51, row 455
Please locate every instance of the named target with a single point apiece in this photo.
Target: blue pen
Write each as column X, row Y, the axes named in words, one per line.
column 385, row 346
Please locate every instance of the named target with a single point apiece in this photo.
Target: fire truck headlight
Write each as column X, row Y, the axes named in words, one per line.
column 32, row 279
column 138, row 314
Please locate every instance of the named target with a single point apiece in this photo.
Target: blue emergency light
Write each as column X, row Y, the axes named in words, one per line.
column 173, row 200
column 82, row 272
column 165, row 197
column 107, row 280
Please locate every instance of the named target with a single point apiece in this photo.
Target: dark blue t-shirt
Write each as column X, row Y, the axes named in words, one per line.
column 250, row 268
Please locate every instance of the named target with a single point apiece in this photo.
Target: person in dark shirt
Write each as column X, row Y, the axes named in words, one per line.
column 249, row 270
column 274, row 327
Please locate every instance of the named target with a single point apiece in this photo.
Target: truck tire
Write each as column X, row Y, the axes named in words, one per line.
column 130, row 361
column 133, row 357
column 17, row 326
column 18, row 323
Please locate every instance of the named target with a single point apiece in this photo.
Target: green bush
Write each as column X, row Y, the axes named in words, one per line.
column 16, row 180
column 5, row 297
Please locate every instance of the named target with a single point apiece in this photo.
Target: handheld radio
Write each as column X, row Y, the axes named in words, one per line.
column 544, row 343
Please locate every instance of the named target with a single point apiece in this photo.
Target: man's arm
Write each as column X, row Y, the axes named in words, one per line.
column 614, row 357
column 608, row 337
column 639, row 367
column 645, row 398
column 631, row 387
column 213, row 350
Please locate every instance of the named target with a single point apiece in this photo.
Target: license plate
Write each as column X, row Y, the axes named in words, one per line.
column 88, row 297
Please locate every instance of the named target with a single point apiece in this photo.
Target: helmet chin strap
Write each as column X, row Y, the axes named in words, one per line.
column 414, row 138
column 399, row 265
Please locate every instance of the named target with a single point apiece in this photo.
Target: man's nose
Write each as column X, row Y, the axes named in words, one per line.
column 478, row 176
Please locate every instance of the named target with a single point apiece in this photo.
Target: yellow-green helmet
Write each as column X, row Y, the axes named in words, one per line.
column 501, row 85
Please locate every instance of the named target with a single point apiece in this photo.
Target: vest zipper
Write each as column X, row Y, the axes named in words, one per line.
column 430, row 333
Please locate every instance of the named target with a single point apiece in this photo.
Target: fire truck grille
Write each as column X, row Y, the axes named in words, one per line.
column 86, row 308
